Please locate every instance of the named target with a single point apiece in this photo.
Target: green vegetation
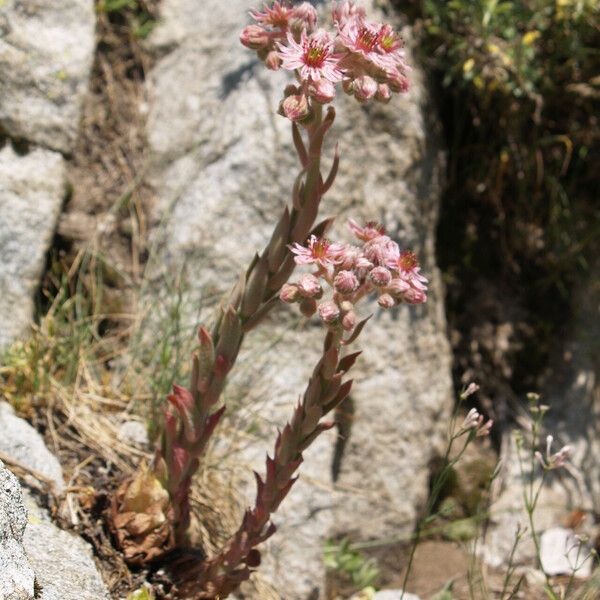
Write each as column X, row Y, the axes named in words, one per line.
column 519, row 92
column 68, row 336
column 351, row 564
column 137, row 14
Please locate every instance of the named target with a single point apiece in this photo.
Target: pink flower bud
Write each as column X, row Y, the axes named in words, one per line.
column 349, row 320
column 255, row 37
column 485, row 428
column 348, row 258
column 309, row 286
column 329, row 312
column 384, row 94
column 181, row 399
column 323, row 91
column 380, row 276
column 272, row 61
column 386, row 301
column 289, row 293
column 471, row 420
column 397, row 81
column 345, row 282
column 179, row 457
column 307, row 15
column 397, row 287
column 471, row 389
column 414, row 296
column 295, row 107
column 369, row 232
column 364, row 88
column 381, row 250
column 345, row 11
column 308, row 307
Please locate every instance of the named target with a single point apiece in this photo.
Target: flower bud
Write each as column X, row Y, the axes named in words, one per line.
column 414, row 296
column 289, row 293
column 329, row 312
column 309, row 286
column 348, row 258
column 471, row 389
column 380, row 276
column 273, row 61
column 381, row 250
column 397, row 82
column 323, row 91
column 306, row 14
column 364, row 88
column 295, row 108
column 255, row 37
column 345, row 282
column 385, row 301
column 384, row 94
column 308, row 307
column 471, row 420
column 397, row 287
column 349, row 320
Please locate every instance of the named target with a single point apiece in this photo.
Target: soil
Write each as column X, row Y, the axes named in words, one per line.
column 439, row 563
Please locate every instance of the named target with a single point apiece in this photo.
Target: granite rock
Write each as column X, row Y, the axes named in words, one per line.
column 32, row 188
column 63, row 563
column 21, row 442
column 46, row 54
column 37, row 559
column 16, row 575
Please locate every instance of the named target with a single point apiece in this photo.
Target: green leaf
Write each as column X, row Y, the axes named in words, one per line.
column 143, row 29
column 144, row 593
column 109, row 6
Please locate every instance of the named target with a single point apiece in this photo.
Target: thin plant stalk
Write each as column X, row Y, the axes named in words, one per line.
column 473, row 429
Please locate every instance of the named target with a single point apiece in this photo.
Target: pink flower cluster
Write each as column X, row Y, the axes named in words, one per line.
column 366, row 57
column 351, row 272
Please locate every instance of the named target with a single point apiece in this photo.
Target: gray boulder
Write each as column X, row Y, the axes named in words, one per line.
column 46, row 54
column 32, row 188
column 32, row 548
column 24, row 444
column 16, row 575
column 63, row 563
column 223, row 168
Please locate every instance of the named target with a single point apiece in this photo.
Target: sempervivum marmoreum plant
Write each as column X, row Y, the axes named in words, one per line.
column 150, row 512
column 342, row 276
